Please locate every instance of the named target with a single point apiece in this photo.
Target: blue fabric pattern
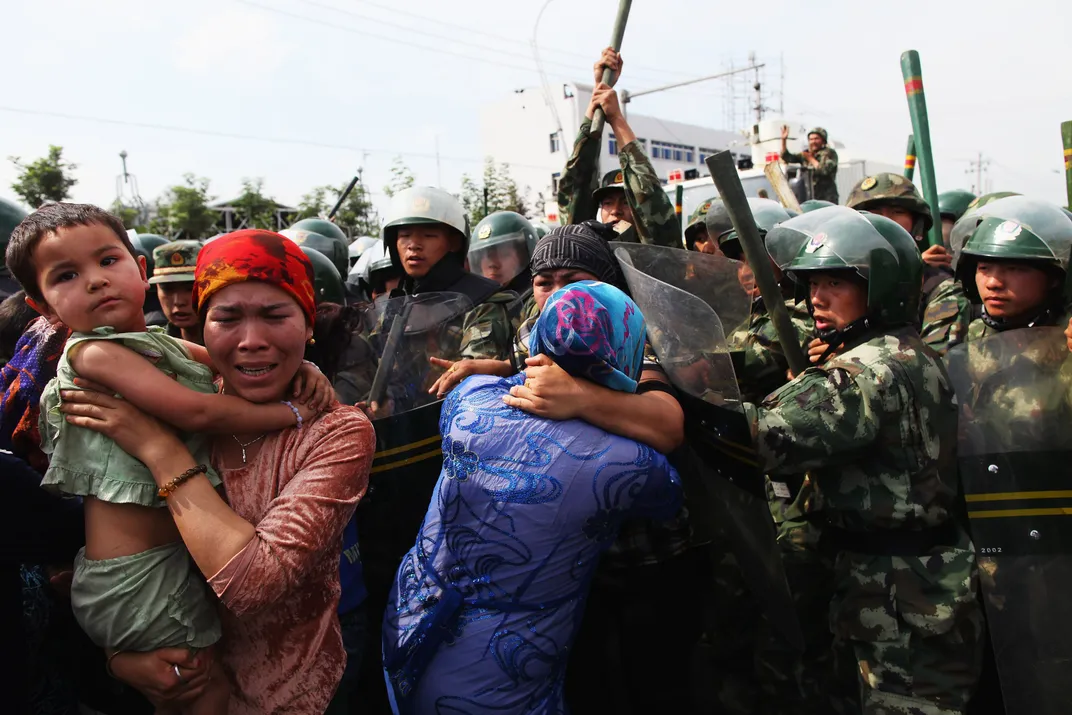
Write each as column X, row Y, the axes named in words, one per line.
column 486, row 604
column 592, row 330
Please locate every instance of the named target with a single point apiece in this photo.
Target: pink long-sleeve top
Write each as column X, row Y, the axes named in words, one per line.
column 282, row 647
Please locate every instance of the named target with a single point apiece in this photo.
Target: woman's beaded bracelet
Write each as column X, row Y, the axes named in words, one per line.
column 297, row 415
column 169, row 488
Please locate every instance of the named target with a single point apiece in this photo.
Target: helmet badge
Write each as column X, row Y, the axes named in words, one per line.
column 1008, row 231
column 868, row 183
column 619, row 178
column 177, row 259
column 421, row 204
column 485, row 231
column 815, row 243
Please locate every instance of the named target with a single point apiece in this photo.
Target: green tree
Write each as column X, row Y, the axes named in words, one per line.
column 254, row 207
column 130, row 216
column 313, row 204
column 501, row 189
column 183, row 211
column 47, row 179
column 401, row 178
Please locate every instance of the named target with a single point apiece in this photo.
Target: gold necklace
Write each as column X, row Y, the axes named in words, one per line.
column 243, row 445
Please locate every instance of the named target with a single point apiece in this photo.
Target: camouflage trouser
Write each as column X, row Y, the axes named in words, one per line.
column 792, row 682
column 908, row 631
column 726, row 651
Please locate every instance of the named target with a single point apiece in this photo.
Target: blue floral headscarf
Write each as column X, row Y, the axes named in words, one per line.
column 592, row 330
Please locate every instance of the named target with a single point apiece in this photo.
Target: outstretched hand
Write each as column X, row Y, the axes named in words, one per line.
column 312, row 388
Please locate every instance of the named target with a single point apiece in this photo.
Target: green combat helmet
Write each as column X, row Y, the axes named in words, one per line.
column 839, row 238
column 892, row 190
column 323, row 227
column 335, row 251
column 612, row 181
column 908, row 257
column 175, row 262
column 953, row 204
column 145, row 244
column 500, row 248
column 371, row 272
column 814, row 205
column 542, row 228
column 10, row 217
column 820, row 131
column 967, row 223
column 327, row 283
column 424, row 205
column 766, row 213
column 697, row 220
column 1016, row 228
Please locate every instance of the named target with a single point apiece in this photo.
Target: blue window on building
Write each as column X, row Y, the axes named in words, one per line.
column 556, row 143
column 678, row 155
column 612, row 145
column 689, row 156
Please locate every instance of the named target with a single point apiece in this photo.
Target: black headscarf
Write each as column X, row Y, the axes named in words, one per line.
column 581, row 246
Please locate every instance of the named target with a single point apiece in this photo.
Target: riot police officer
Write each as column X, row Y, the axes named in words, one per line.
column 426, row 234
column 945, row 311
column 874, row 427
column 500, row 249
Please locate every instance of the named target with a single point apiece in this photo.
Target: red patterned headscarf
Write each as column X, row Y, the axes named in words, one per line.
column 254, row 255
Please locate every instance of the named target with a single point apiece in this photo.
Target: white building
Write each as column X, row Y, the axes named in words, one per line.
column 523, row 132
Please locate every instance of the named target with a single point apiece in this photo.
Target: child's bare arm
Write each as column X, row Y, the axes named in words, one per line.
column 199, row 354
column 124, row 371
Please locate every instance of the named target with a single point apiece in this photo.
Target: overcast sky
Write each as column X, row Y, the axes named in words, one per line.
column 297, row 91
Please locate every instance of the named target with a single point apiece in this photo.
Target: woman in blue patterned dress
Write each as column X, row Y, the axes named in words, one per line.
column 486, row 605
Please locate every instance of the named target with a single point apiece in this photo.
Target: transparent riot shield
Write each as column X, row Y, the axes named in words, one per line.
column 720, row 470
column 1014, row 391
column 405, row 332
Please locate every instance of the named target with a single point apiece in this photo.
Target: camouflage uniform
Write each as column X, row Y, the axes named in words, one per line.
column 873, row 431
column 823, row 184
column 653, row 211
column 759, row 362
column 876, row 427
column 946, row 315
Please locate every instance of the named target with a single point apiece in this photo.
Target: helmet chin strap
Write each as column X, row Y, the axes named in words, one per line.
column 850, row 333
column 1050, row 310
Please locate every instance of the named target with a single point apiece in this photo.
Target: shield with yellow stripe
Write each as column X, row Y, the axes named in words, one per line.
column 1014, row 391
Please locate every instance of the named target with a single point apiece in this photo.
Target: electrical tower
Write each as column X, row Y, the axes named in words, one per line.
column 127, row 195
column 979, row 169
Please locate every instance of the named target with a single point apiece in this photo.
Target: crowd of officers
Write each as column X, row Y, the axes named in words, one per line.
column 859, row 449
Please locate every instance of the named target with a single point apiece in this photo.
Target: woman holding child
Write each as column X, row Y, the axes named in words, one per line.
column 270, row 547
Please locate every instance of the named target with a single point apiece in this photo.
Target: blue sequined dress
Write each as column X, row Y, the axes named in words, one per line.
column 486, row 605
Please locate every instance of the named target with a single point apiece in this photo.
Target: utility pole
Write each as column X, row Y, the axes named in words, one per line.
column 438, row 172
column 758, row 87
column 626, row 96
column 979, row 167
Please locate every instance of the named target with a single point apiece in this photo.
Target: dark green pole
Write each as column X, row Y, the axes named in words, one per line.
column 342, row 197
column 616, row 43
column 1066, row 137
column 921, row 129
column 724, row 173
column 679, row 206
column 910, row 158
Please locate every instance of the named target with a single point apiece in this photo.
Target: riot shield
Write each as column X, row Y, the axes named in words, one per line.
column 719, row 468
column 406, row 465
column 1014, row 391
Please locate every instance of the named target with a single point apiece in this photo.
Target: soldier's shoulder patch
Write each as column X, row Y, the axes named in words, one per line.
column 485, row 231
column 868, row 183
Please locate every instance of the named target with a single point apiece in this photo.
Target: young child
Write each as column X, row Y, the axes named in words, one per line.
column 134, row 586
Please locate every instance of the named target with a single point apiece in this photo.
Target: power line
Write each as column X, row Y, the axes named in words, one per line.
column 248, row 137
column 512, row 40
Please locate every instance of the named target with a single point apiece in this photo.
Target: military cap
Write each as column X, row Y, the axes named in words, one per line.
column 890, row 189
column 175, row 262
column 696, row 221
column 612, row 180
